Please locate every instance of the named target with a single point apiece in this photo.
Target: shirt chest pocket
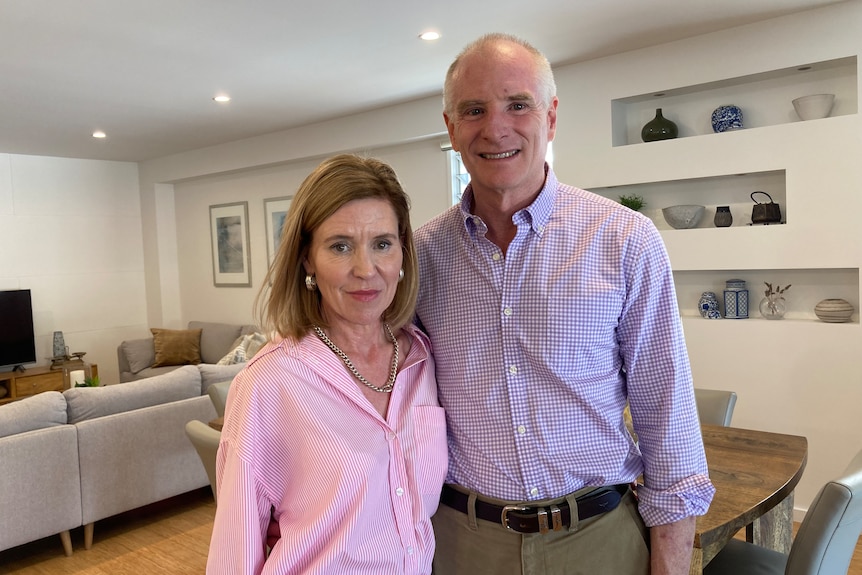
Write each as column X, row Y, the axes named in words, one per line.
column 429, row 448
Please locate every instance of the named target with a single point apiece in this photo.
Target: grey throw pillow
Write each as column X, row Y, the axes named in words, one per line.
column 140, row 353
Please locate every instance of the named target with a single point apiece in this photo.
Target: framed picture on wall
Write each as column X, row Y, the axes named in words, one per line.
column 231, row 253
column 275, row 211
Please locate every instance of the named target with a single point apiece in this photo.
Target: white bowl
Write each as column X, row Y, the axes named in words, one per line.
column 683, row 217
column 814, row 107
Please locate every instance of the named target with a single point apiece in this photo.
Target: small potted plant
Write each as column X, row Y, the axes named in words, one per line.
column 90, row 382
column 633, row 202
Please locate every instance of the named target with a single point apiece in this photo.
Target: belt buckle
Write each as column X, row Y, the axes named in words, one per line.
column 506, row 510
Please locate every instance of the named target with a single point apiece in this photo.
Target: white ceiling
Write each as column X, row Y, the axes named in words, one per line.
column 145, row 71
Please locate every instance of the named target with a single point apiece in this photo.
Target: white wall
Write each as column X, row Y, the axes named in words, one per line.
column 70, row 231
column 815, row 393
column 422, row 169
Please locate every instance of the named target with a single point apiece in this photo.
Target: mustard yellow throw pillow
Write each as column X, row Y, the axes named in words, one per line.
column 176, row 346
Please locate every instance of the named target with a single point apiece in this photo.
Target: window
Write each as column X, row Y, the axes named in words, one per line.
column 460, row 178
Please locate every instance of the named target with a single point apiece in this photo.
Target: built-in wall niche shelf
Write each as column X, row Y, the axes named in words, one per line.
column 766, row 99
column 730, row 190
column 809, row 286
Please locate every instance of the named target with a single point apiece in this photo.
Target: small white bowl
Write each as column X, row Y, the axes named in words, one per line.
column 683, row 217
column 814, row 107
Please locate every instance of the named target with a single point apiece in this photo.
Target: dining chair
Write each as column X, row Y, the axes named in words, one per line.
column 206, row 440
column 218, row 395
column 824, row 544
column 715, row 407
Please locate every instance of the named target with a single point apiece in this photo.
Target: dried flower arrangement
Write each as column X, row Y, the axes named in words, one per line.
column 778, row 290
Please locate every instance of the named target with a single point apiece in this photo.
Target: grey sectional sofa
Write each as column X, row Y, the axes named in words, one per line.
column 135, row 357
column 76, row 457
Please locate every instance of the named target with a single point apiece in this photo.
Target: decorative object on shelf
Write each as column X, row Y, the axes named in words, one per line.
column 773, row 306
column 726, row 118
column 834, row 310
column 59, row 345
column 723, row 218
column 735, row 299
column 76, row 378
column 3, row 391
column 633, row 202
column 683, row 217
column 708, row 306
column 90, row 382
column 814, row 107
column 765, row 213
column 659, row 128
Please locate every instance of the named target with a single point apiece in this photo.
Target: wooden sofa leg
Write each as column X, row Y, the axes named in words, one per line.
column 88, row 535
column 66, row 538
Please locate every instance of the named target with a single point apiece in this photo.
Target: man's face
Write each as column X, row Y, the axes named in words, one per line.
column 497, row 121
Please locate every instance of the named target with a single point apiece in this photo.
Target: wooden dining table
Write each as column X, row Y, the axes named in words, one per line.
column 754, row 474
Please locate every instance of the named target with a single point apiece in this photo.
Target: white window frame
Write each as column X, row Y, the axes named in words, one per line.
column 459, row 178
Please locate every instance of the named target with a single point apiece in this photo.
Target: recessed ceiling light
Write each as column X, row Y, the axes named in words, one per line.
column 430, row 35
column 222, row 98
column 99, row 134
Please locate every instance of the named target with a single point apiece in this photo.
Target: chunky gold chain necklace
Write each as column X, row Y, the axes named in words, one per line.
column 392, row 372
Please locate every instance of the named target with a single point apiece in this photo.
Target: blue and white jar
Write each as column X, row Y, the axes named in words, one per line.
column 726, row 118
column 708, row 306
column 735, row 299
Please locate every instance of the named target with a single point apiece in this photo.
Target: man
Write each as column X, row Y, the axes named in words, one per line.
column 548, row 308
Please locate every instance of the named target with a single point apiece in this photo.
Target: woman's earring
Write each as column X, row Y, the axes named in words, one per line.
column 401, row 274
column 310, row 282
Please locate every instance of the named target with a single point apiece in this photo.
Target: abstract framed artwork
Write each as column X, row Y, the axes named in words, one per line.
column 230, row 245
column 275, row 211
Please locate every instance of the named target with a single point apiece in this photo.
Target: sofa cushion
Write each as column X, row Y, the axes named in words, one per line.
column 211, row 374
column 176, row 346
column 90, row 402
column 216, row 338
column 41, row 410
column 243, row 349
column 140, row 353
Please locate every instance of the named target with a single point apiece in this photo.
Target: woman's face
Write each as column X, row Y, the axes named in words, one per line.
column 356, row 257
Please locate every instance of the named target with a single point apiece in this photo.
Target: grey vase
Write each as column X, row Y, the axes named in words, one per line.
column 59, row 344
column 723, row 217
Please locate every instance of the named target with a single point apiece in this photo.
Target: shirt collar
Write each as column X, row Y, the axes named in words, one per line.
column 536, row 214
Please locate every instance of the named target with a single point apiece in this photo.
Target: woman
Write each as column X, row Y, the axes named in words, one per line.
column 333, row 428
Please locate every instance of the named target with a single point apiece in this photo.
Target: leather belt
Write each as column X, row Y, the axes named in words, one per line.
column 526, row 519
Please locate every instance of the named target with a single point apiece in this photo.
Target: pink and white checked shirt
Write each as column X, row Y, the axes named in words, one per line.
column 530, row 348
column 353, row 492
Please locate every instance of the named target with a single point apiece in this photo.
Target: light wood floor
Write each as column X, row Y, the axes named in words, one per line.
column 168, row 538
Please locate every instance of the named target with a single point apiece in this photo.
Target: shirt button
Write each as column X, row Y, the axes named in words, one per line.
column 534, row 491
column 399, row 492
column 507, row 311
column 522, row 430
column 513, row 370
column 410, row 550
column 496, row 257
column 390, row 436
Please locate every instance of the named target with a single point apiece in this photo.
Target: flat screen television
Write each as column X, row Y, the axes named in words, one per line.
column 17, row 337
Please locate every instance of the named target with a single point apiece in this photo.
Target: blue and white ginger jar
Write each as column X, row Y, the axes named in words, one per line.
column 725, row 118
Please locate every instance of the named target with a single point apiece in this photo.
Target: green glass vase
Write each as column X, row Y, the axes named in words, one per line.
column 659, row 128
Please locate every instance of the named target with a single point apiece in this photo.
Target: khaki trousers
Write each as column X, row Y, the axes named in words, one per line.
column 614, row 543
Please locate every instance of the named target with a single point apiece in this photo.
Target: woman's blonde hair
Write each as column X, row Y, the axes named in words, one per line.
column 284, row 305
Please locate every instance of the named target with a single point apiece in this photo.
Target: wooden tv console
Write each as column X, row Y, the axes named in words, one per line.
column 21, row 384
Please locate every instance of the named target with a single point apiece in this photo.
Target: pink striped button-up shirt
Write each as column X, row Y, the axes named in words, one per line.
column 353, row 492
